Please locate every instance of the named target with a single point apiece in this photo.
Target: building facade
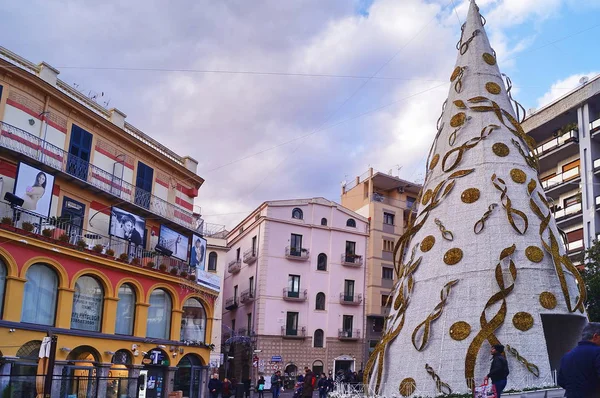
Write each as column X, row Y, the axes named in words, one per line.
column 567, row 132
column 102, row 256
column 386, row 201
column 294, row 286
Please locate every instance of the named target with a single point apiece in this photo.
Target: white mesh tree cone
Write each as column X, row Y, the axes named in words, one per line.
column 484, row 262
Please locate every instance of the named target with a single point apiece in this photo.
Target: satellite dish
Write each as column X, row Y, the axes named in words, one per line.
column 584, row 80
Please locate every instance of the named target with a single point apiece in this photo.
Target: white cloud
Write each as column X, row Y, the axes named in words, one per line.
column 562, row 87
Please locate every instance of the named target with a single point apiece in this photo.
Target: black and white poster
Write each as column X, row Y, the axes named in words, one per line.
column 126, row 225
column 34, row 186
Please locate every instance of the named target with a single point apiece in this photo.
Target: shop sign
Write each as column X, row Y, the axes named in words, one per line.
column 276, row 358
column 87, row 306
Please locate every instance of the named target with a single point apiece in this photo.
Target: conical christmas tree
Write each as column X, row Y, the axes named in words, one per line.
column 482, row 262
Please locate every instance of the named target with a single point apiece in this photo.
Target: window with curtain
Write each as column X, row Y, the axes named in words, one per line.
column 159, row 315
column 322, row 262
column 318, row 339
column 212, row 261
column 2, row 280
column 88, row 301
column 297, row 214
column 193, row 321
column 125, row 310
column 39, row 297
column 320, row 302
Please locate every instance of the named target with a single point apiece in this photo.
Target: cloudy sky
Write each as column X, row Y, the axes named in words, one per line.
column 327, row 89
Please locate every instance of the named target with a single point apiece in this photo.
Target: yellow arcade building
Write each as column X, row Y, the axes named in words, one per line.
column 103, row 285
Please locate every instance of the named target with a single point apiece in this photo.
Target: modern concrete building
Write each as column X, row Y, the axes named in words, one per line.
column 386, row 201
column 96, row 256
column 294, row 288
column 567, row 132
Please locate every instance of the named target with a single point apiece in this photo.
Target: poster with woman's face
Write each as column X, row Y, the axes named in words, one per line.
column 34, row 186
column 198, row 252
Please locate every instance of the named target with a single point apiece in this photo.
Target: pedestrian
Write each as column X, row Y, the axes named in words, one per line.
column 260, row 387
column 323, row 386
column 499, row 369
column 226, row 389
column 330, row 381
column 309, row 384
column 247, row 382
column 214, row 386
column 579, row 372
column 276, row 384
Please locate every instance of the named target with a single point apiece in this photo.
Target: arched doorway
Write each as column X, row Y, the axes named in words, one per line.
column 289, row 376
column 317, row 368
column 189, row 375
column 156, row 363
column 118, row 383
column 24, row 370
column 81, row 374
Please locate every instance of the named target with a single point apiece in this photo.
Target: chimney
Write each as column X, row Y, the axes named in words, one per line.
column 48, row 73
column 117, row 117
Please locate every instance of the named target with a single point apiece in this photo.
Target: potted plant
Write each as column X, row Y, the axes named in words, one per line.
column 150, row 264
column 47, row 232
column 162, row 267
column 27, row 226
column 174, row 271
column 183, row 274
column 135, row 261
column 6, row 220
column 124, row 257
column 110, row 252
column 64, row 238
column 98, row 248
column 192, row 277
column 81, row 244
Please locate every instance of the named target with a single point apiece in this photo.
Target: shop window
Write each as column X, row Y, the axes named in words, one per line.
column 125, row 310
column 318, row 339
column 159, row 315
column 2, row 282
column 88, row 301
column 193, row 322
column 39, row 298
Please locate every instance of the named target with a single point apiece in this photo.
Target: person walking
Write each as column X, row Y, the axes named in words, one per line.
column 331, row 382
column 214, row 386
column 260, row 387
column 226, row 389
column 499, row 369
column 323, row 385
column 276, row 384
column 579, row 372
column 247, row 383
column 309, row 383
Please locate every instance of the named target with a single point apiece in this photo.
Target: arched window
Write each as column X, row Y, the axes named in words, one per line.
column 193, row 321
column 125, row 310
column 320, row 302
column 88, row 301
column 212, row 261
column 318, row 339
column 323, row 221
column 317, row 368
column 2, row 284
column 297, row 214
column 351, row 223
column 39, row 298
column 322, row 262
column 159, row 315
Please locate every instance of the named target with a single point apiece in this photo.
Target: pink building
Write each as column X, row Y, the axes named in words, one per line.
column 295, row 286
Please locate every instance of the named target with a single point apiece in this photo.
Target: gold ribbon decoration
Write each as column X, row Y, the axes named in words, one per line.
column 531, row 161
column 420, row 339
column 500, row 185
column 448, row 235
column 457, row 77
column 561, row 262
column 518, row 107
column 533, row 369
column 488, row 328
column 465, row 46
column 442, row 387
column 458, row 152
column 479, row 225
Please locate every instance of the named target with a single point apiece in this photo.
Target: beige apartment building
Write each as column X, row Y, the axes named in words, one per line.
column 386, row 201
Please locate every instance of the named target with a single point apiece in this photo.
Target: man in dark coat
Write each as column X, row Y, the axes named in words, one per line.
column 309, row 383
column 214, row 386
column 499, row 369
column 579, row 372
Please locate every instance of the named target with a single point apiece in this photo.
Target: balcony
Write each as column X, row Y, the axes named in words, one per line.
column 61, row 233
column 597, row 166
column 595, row 127
column 349, row 334
column 250, row 256
column 294, row 295
column 231, row 303
column 575, row 246
column 291, row 333
column 247, row 296
column 349, row 299
column 352, row 260
column 42, row 152
column 234, row 266
column 294, row 253
column 561, row 183
column 563, row 147
column 569, row 215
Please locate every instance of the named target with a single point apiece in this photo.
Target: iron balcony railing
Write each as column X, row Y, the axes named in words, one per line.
column 353, row 260
column 350, row 299
column 250, row 256
column 295, row 295
column 296, row 333
column 234, row 266
column 349, row 334
column 247, row 296
column 231, row 303
column 63, row 232
column 37, row 149
column 296, row 253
